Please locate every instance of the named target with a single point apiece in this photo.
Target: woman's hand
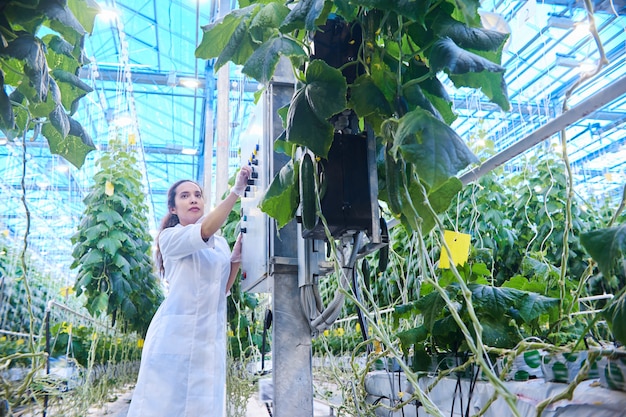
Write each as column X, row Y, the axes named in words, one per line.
column 242, row 180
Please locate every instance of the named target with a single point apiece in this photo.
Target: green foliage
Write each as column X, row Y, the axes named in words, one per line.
column 607, row 247
column 507, row 315
column 389, row 84
column 15, row 305
column 112, row 244
column 77, row 342
column 516, row 221
column 38, row 80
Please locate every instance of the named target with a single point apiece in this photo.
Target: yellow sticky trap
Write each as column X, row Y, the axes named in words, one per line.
column 109, row 188
column 459, row 244
column 139, row 343
column 67, row 291
column 132, row 139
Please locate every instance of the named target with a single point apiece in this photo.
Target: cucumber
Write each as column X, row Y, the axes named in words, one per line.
column 307, row 192
column 365, row 270
column 383, row 252
column 393, row 181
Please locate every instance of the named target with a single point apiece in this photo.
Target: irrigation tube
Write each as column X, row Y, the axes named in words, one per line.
column 586, row 107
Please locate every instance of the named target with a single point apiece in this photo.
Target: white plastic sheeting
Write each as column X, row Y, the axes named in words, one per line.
column 452, row 396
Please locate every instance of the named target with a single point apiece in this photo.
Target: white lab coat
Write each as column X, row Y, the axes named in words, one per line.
column 183, row 363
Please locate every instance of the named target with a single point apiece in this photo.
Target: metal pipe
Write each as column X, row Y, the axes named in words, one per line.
column 586, row 107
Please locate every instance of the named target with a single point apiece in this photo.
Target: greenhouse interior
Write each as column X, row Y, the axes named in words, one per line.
column 424, row 201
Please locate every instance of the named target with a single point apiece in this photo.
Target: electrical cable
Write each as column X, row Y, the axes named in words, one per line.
column 328, row 316
column 266, row 325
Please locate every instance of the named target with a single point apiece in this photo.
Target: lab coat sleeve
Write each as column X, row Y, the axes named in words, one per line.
column 180, row 241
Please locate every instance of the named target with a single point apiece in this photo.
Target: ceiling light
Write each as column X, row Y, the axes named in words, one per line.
column 122, row 120
column 190, row 82
column 560, row 22
column 189, row 151
column 108, row 15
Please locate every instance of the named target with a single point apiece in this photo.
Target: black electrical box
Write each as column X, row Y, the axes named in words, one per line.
column 347, row 201
column 338, row 42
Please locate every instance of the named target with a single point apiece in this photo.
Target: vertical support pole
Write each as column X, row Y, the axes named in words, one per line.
column 223, row 121
column 292, row 369
column 223, row 131
column 47, row 324
column 207, row 163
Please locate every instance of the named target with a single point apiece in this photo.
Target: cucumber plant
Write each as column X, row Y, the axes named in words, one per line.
column 390, row 83
column 112, row 249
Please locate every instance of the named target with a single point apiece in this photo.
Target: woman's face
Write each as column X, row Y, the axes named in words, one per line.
column 188, row 204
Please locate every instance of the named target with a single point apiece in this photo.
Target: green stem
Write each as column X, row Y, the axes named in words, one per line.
column 476, row 346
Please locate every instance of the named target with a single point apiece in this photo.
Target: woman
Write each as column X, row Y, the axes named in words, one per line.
column 183, row 364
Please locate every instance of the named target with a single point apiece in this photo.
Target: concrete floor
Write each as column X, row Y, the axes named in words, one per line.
column 256, row 408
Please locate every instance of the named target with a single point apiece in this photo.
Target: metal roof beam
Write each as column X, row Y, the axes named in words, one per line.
column 586, row 107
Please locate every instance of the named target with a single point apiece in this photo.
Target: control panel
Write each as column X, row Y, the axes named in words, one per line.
column 254, row 223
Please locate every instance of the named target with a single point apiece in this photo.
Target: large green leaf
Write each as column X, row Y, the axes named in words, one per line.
column 99, row 304
column 322, row 95
column 122, row 263
column 499, row 333
column 607, row 247
column 228, row 38
column 263, row 61
column 109, row 217
column 494, row 301
column 369, row 102
column 466, row 11
column 108, row 245
column 265, row 23
column 94, row 234
column 72, row 87
column 615, row 315
column 282, row 196
column 305, row 128
column 59, row 54
column 7, row 117
column 431, row 306
column 63, row 20
column 414, row 95
column 492, row 84
column 439, row 199
column 497, row 301
column 31, row 50
column 72, row 147
column 58, row 118
column 304, row 15
column 469, row 37
column 413, row 336
column 412, row 9
column 92, row 257
column 534, row 305
column 445, row 54
column 85, row 11
column 435, row 150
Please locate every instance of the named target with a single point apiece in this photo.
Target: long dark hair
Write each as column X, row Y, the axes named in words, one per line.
column 169, row 220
